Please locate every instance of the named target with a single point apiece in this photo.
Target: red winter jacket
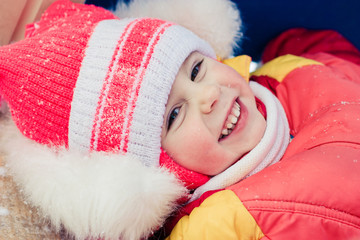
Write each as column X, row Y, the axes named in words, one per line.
column 313, row 192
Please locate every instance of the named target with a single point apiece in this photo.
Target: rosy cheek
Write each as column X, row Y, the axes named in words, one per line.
column 195, row 143
column 191, row 150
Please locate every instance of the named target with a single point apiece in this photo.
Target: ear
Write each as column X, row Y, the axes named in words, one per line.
column 216, row 21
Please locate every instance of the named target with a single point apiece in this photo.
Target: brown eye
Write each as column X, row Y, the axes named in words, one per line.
column 196, row 70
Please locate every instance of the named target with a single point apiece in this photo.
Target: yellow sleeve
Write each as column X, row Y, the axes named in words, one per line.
column 279, row 67
column 241, row 64
column 220, row 216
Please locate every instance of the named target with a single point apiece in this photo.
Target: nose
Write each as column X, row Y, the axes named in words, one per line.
column 208, row 97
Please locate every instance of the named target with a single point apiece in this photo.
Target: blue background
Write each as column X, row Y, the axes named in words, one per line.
column 263, row 20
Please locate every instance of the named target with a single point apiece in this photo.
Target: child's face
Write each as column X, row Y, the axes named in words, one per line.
column 204, row 103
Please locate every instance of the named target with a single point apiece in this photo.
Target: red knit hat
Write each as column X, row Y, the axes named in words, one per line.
column 88, row 81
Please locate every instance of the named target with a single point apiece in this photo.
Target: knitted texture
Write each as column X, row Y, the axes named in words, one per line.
column 38, row 75
column 191, row 179
column 88, row 81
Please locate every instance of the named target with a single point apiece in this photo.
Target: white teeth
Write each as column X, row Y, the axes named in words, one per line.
column 236, row 112
column 231, row 120
column 225, row 132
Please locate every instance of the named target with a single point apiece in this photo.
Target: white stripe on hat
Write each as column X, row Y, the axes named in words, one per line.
column 138, row 79
column 101, row 45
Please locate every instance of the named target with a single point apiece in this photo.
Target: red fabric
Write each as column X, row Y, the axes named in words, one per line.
column 299, row 41
column 48, row 54
column 261, row 107
column 190, row 178
column 313, row 191
column 266, row 81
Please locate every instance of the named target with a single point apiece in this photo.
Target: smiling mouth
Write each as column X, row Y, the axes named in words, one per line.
column 231, row 120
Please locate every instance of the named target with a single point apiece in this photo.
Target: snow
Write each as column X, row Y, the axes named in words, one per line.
column 2, row 172
column 3, row 211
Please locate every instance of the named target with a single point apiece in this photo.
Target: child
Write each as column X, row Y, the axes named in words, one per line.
column 88, row 91
column 106, row 102
column 312, row 192
column 212, row 107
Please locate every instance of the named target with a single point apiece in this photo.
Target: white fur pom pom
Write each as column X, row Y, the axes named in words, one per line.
column 100, row 195
column 216, row 21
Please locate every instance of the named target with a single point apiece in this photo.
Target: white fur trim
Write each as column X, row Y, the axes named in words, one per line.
column 216, row 21
column 101, row 195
